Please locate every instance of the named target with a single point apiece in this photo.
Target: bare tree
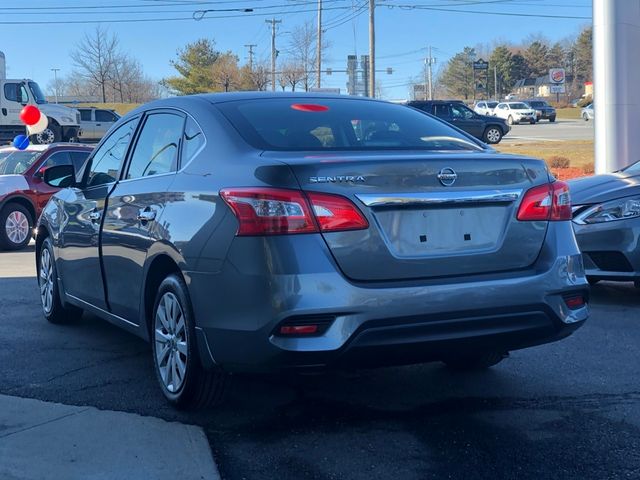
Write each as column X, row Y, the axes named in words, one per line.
column 302, row 50
column 256, row 79
column 225, row 72
column 292, row 74
column 94, row 57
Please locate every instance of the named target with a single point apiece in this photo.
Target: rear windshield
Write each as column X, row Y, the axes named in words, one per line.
column 538, row 104
column 16, row 162
column 323, row 124
column 519, row 106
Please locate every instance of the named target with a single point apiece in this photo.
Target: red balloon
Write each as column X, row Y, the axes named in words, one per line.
column 30, row 115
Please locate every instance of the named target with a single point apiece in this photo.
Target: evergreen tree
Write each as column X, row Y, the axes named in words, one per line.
column 536, row 57
column 458, row 74
column 194, row 64
column 502, row 60
column 582, row 55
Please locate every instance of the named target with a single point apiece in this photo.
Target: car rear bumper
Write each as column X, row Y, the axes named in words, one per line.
column 381, row 323
column 610, row 250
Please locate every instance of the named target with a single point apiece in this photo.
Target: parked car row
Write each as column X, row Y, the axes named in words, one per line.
column 521, row 110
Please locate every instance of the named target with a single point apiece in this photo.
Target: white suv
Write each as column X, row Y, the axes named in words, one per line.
column 485, row 107
column 515, row 112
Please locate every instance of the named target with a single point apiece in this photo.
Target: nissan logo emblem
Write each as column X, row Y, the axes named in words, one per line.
column 447, row 176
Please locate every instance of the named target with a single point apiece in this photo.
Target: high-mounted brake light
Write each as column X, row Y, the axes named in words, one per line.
column 546, row 202
column 309, row 107
column 273, row 211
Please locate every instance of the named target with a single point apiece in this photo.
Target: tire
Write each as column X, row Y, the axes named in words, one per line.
column 492, row 135
column 52, row 308
column 175, row 351
column 51, row 134
column 585, row 117
column 552, row 119
column 510, row 120
column 532, row 122
column 16, row 227
column 592, row 281
column 478, row 361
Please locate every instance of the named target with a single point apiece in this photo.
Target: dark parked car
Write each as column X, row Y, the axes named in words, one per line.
column 544, row 111
column 23, row 193
column 250, row 231
column 489, row 129
column 606, row 219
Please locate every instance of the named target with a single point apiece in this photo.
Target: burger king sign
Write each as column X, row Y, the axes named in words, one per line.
column 556, row 76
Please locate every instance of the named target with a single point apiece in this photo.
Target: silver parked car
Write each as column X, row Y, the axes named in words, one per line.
column 607, row 224
column 96, row 122
column 587, row 112
column 254, row 231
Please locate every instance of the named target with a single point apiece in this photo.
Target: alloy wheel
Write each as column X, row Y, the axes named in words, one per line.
column 171, row 342
column 46, row 281
column 17, row 227
column 493, row 135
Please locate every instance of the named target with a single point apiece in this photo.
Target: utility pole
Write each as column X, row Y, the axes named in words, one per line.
column 55, row 76
column 372, row 49
column 431, row 62
column 251, row 47
column 495, row 82
column 427, row 89
column 319, row 46
column 274, row 52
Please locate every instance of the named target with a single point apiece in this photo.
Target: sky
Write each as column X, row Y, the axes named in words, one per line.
column 38, row 35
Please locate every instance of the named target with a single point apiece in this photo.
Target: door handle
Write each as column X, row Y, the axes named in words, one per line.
column 94, row 216
column 98, row 124
column 147, row 215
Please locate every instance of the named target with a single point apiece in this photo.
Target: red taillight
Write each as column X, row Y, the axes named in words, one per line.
column 272, row 211
column 335, row 213
column 546, row 202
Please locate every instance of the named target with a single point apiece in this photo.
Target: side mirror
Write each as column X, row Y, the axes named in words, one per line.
column 60, row 176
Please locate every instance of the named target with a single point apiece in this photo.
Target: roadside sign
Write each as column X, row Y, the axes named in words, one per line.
column 481, row 65
column 557, row 76
column 557, row 89
column 325, row 90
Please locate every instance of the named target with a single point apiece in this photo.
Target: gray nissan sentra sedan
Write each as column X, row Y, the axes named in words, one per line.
column 607, row 224
column 249, row 232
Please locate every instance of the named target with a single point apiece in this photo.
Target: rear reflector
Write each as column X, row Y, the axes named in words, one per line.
column 298, row 329
column 272, row 211
column 546, row 202
column 575, row 302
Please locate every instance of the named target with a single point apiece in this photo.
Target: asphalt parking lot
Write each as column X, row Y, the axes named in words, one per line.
column 560, row 130
column 566, row 410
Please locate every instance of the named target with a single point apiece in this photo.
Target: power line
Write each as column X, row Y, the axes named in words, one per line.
column 478, row 12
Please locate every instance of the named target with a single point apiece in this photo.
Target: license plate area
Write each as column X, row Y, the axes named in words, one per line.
column 425, row 232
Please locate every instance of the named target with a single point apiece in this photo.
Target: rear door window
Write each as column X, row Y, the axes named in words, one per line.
column 85, row 115
column 157, row 147
column 105, row 116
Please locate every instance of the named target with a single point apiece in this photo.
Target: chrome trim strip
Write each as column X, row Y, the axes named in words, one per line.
column 109, row 314
column 439, row 198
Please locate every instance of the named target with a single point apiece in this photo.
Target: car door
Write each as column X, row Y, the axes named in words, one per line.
column 104, row 120
column 78, row 243
column 87, row 124
column 465, row 119
column 132, row 217
column 15, row 97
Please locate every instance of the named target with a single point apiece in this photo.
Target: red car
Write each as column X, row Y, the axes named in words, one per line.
column 23, row 193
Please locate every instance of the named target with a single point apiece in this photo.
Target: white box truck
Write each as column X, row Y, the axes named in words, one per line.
column 64, row 122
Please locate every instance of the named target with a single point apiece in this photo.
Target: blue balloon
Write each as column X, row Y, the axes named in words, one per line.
column 21, row 142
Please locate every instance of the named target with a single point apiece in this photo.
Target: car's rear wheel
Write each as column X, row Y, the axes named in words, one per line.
column 184, row 381
column 552, row 119
column 16, row 225
column 475, row 361
column 492, row 135
column 510, row 120
column 585, row 117
column 53, row 309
